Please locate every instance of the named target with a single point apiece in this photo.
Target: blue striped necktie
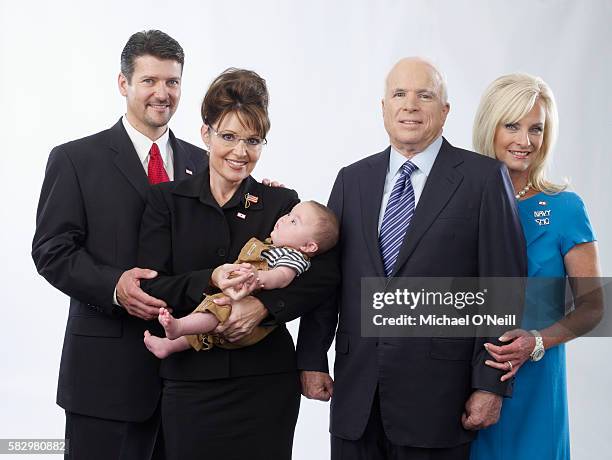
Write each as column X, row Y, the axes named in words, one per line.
column 396, row 219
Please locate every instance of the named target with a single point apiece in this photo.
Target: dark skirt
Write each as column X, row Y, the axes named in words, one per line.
column 250, row 417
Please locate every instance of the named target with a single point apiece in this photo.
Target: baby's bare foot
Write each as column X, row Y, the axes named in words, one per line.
column 171, row 325
column 159, row 346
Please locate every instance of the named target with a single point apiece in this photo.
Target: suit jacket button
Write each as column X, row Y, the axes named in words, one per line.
column 221, row 252
column 280, row 304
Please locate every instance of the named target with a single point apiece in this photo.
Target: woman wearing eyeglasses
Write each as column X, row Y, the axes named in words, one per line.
column 228, row 403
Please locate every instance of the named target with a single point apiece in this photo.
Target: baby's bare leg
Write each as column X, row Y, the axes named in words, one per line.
column 195, row 323
column 163, row 347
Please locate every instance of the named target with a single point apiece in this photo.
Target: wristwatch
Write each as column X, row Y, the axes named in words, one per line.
column 538, row 351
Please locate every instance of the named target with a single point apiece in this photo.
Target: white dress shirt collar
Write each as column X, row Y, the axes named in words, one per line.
column 423, row 160
column 143, row 144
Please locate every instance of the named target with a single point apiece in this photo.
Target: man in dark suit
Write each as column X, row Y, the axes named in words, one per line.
column 420, row 208
column 86, row 243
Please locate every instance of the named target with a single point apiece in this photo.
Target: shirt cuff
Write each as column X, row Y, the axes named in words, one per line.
column 115, row 301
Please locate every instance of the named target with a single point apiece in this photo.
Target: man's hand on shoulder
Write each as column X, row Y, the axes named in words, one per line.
column 272, row 183
column 481, row 410
column 317, row 385
column 131, row 297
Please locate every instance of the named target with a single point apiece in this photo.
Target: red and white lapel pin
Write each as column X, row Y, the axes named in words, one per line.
column 248, row 199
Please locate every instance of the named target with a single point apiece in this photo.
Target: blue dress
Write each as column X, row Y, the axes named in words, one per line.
column 534, row 422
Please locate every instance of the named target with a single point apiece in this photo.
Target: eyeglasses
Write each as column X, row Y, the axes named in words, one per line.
column 229, row 139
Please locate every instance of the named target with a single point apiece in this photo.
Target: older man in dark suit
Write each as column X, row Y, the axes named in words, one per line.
column 86, row 243
column 420, row 208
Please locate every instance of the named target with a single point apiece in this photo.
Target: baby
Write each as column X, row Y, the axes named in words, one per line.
column 309, row 229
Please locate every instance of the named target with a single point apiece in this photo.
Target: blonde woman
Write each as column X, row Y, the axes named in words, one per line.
column 516, row 123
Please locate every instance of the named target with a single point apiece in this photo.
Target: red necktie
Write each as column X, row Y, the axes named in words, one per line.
column 156, row 172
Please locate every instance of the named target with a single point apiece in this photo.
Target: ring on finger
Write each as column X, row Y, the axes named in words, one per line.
column 509, row 363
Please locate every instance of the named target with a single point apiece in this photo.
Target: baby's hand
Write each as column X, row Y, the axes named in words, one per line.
column 251, row 283
column 230, row 275
column 246, row 269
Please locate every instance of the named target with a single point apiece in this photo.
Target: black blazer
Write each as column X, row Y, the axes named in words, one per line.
column 88, row 219
column 465, row 224
column 185, row 235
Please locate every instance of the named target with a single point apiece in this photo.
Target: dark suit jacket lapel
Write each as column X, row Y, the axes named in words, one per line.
column 442, row 182
column 371, row 187
column 127, row 159
column 182, row 160
column 198, row 187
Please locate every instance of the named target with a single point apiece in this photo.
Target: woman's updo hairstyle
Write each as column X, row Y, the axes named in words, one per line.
column 238, row 91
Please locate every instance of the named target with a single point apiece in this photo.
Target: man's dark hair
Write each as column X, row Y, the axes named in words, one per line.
column 149, row 43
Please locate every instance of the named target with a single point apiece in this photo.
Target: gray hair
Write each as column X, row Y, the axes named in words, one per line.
column 438, row 76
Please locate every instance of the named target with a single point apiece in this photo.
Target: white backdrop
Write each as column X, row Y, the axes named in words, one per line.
column 325, row 63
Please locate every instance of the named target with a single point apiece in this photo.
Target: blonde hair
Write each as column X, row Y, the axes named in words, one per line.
column 508, row 99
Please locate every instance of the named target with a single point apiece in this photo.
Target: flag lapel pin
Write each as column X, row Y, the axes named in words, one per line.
column 248, row 199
